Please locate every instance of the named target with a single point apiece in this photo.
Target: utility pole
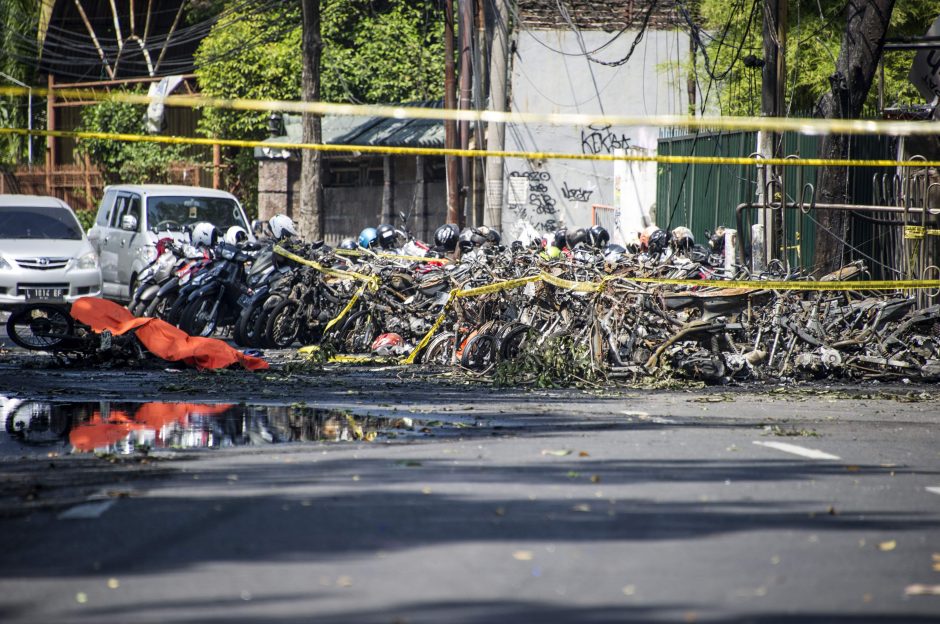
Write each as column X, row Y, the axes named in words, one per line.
column 465, row 34
column 496, row 132
column 312, row 220
column 773, row 100
column 450, row 103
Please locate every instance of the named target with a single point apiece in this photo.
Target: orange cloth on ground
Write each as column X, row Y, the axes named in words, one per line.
column 161, row 338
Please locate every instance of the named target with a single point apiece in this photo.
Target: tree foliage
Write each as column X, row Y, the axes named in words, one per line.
column 124, row 161
column 18, row 22
column 373, row 52
column 814, row 35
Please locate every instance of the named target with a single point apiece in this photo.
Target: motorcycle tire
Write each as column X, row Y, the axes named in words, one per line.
column 40, row 327
column 439, row 351
column 201, row 317
column 480, row 352
column 283, row 324
column 244, row 332
column 357, row 333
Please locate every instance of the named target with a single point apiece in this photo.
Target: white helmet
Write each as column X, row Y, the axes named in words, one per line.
column 236, row 235
column 282, row 226
column 204, row 235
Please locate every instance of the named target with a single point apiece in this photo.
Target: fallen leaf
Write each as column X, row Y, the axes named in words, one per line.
column 584, row 454
column 595, row 479
column 852, row 468
column 113, row 583
column 523, row 555
column 556, row 453
column 582, row 507
column 629, row 590
column 886, row 546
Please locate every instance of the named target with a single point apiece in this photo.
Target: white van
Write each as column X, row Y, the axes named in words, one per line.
column 132, row 217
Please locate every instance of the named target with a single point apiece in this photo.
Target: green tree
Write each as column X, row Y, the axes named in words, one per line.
column 124, row 161
column 732, row 33
column 18, row 23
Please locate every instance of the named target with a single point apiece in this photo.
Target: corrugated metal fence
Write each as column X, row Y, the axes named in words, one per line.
column 703, row 197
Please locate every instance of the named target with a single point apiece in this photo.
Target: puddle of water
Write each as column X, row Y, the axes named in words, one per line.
column 123, row 428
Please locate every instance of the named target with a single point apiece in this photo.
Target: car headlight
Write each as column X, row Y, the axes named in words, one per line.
column 4, row 265
column 88, row 261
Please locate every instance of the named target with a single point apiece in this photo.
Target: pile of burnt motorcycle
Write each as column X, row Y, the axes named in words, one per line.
column 473, row 301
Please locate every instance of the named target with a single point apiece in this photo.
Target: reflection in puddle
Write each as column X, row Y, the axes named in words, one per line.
column 107, row 427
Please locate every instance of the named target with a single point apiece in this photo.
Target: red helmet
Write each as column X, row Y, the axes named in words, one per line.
column 385, row 344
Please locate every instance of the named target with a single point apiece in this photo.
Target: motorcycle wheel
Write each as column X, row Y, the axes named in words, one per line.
column 40, row 327
column 440, row 350
column 201, row 317
column 480, row 352
column 261, row 323
column 357, row 333
column 283, row 324
column 244, row 333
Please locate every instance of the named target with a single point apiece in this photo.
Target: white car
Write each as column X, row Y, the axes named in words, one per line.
column 133, row 217
column 44, row 254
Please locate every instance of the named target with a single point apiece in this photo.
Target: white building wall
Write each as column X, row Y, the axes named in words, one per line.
column 551, row 74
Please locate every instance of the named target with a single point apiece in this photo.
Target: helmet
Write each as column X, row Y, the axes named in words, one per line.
column 682, row 238
column 717, row 240
column 645, row 236
column 578, row 236
column 386, row 344
column 470, row 237
column 446, row 236
column 613, row 253
column 658, row 242
column 236, row 235
column 490, row 235
column 386, row 236
column 367, row 237
column 598, row 237
column 551, row 253
column 559, row 238
column 282, row 226
column 347, row 243
column 204, row 234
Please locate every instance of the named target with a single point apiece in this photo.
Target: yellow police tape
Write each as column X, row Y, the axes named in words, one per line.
column 374, row 254
column 477, row 153
column 773, row 124
column 372, row 279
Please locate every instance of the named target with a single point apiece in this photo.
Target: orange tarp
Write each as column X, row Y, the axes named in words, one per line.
column 161, row 338
column 99, row 432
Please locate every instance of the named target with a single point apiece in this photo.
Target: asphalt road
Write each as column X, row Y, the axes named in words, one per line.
column 763, row 504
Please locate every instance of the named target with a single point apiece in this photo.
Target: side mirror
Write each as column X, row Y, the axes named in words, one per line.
column 129, row 223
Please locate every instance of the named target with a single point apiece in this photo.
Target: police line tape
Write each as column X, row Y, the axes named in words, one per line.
column 477, row 153
column 772, row 124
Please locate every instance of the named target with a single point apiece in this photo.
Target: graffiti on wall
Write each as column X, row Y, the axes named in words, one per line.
column 576, row 194
column 531, row 199
column 602, row 140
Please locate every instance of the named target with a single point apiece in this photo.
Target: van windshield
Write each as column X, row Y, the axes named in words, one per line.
column 173, row 213
column 52, row 222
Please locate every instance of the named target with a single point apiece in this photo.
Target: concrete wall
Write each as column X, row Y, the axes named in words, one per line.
column 350, row 209
column 541, row 195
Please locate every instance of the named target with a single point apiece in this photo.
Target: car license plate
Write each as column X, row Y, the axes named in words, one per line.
column 44, row 293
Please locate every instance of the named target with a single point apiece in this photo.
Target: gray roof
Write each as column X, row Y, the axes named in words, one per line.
column 377, row 131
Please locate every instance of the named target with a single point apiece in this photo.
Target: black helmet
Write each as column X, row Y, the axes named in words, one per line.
column 490, row 234
column 465, row 240
column 699, row 253
column 658, row 242
column 578, row 236
column 386, row 236
column 559, row 239
column 598, row 237
column 446, row 236
column 348, row 243
column 717, row 240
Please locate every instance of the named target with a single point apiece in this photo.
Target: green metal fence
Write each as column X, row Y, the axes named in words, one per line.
column 703, row 197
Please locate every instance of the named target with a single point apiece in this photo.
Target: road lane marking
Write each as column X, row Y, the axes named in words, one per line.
column 797, row 450
column 933, row 490
column 86, row 511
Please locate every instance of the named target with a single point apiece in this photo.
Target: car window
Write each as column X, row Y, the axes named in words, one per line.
column 172, row 212
column 125, row 205
column 39, row 222
column 107, row 204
